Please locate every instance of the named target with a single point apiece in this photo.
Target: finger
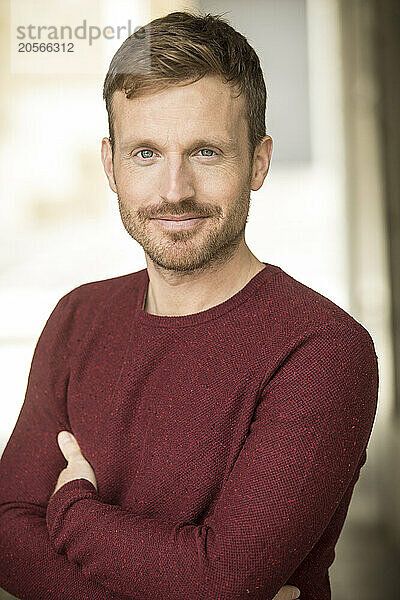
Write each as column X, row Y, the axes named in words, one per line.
column 69, row 446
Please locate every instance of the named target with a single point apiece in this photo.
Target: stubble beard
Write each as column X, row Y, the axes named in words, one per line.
column 190, row 250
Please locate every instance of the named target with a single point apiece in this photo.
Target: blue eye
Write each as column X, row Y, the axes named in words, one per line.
column 145, row 151
column 207, row 150
column 150, row 153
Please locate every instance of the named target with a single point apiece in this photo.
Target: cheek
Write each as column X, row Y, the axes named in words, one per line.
column 133, row 185
column 220, row 186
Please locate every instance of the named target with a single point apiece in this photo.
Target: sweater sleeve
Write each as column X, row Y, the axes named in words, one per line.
column 308, row 434
column 29, row 467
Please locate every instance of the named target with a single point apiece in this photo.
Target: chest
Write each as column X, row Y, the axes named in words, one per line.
column 162, row 422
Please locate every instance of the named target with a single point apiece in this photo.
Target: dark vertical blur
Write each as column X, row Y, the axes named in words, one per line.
column 368, row 552
column 387, row 44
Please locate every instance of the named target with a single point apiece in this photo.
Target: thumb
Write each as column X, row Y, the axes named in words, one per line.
column 69, row 446
column 295, row 593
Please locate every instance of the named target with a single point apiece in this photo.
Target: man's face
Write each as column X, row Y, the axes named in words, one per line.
column 182, row 151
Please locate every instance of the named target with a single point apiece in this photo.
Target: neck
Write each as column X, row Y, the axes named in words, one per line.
column 173, row 293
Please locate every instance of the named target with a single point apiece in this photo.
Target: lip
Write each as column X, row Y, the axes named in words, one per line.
column 182, row 218
column 175, row 224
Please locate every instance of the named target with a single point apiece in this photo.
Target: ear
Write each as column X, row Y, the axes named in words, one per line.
column 261, row 162
column 107, row 160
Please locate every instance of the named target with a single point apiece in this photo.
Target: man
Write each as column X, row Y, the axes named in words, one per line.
column 220, row 409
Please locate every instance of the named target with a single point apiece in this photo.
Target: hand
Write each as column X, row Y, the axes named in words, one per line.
column 287, row 592
column 78, row 467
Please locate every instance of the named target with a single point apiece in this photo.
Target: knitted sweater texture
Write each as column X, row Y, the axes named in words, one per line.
column 226, row 445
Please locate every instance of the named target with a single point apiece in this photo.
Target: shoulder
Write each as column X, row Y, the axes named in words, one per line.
column 102, row 292
column 303, row 312
column 77, row 310
column 322, row 355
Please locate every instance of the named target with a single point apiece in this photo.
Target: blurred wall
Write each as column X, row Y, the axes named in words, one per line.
column 371, row 87
column 387, row 38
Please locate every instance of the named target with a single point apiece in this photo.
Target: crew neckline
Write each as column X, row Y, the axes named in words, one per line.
column 209, row 314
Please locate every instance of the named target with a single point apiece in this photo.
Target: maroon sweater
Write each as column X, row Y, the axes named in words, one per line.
column 226, row 445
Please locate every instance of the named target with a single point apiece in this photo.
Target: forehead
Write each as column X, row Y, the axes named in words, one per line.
column 206, row 106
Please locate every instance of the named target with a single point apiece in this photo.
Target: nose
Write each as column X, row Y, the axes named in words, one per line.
column 176, row 180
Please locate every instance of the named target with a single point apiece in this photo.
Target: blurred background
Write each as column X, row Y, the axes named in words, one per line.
column 328, row 212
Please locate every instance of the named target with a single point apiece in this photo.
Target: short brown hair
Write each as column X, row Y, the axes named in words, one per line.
column 181, row 48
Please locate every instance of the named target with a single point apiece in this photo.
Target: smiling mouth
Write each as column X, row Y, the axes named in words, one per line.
column 179, row 217
column 179, row 222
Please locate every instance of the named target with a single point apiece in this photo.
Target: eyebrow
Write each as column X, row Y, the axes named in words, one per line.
column 227, row 143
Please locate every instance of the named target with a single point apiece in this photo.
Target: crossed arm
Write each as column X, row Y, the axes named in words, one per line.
column 286, row 484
